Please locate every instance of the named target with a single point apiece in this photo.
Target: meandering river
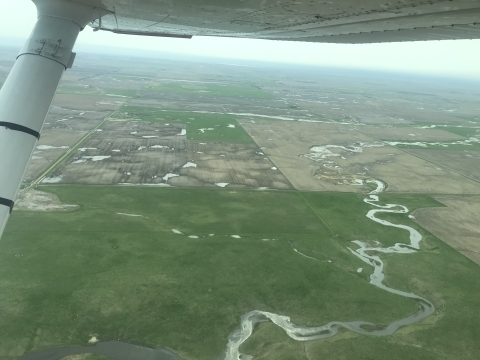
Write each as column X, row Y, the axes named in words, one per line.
column 367, row 254
column 370, row 255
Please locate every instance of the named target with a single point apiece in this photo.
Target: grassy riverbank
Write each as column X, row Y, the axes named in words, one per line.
column 100, row 270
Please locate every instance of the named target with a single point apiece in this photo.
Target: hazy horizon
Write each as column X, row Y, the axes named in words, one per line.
column 452, row 58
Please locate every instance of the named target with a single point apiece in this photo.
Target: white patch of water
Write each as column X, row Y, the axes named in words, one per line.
column 177, row 231
column 133, row 215
column 115, row 95
column 379, row 189
column 96, row 158
column 274, row 168
column 149, row 136
column 467, row 142
column 236, row 236
column 116, row 150
column 193, row 237
column 205, row 129
column 80, row 161
column 159, row 147
column 189, row 165
column 158, row 185
column 52, row 180
column 231, row 126
column 48, row 147
column 222, row 184
column 169, row 176
column 183, row 132
column 305, row 333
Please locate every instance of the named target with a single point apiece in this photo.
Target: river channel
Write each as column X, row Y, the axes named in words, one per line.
column 303, row 333
column 124, row 351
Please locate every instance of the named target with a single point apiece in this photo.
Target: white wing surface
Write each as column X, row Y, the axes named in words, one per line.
column 336, row 21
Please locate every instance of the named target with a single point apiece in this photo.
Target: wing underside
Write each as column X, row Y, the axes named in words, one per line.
column 341, row 21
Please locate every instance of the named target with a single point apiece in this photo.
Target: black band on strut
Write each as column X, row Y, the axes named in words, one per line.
column 6, row 202
column 21, row 128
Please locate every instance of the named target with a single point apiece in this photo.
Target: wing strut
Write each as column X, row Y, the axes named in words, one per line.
column 30, row 87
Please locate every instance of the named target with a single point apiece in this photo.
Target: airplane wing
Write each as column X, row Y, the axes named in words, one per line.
column 337, row 21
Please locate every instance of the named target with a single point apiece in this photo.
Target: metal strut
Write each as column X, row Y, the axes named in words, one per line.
column 30, row 87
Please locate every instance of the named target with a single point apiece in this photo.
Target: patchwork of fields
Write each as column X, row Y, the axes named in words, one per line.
column 166, row 199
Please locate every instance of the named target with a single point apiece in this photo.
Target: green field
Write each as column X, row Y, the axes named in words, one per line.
column 70, row 274
column 208, row 89
column 462, row 131
column 215, row 126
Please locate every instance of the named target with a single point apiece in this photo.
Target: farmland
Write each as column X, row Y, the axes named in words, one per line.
column 167, row 199
column 115, row 268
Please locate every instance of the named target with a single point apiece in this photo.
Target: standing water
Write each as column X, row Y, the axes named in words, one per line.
column 304, row 333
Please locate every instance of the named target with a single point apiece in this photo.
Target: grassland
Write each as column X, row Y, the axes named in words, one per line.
column 200, row 126
column 70, row 274
column 86, row 357
column 240, row 90
column 462, row 131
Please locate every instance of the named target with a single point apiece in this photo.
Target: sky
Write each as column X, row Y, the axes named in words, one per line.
column 459, row 58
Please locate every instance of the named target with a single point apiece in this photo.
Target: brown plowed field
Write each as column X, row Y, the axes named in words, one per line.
column 286, row 142
column 464, row 162
column 135, row 152
column 409, row 133
column 457, row 225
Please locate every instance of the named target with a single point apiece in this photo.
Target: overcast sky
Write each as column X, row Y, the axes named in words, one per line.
column 451, row 58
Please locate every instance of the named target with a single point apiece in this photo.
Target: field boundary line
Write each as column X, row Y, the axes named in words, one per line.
column 319, row 217
column 69, row 152
column 419, row 157
column 269, row 157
